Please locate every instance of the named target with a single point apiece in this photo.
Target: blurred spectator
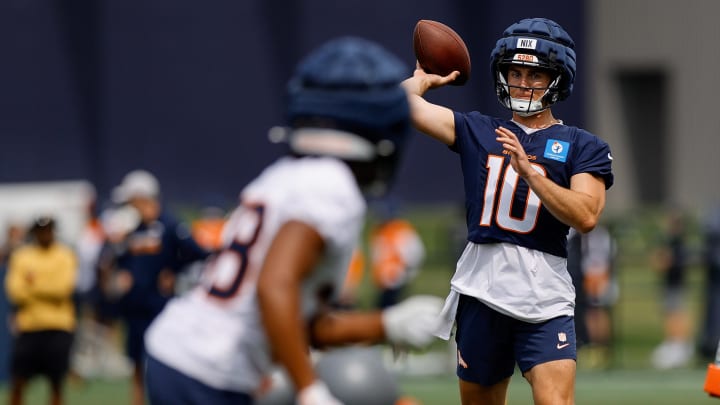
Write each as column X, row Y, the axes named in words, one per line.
column 39, row 283
column 348, row 297
column 145, row 264
column 671, row 260
column 396, row 254
column 457, row 235
column 14, row 238
column 207, row 229
column 15, row 234
column 710, row 330
column 574, row 265
column 88, row 246
column 96, row 352
column 591, row 265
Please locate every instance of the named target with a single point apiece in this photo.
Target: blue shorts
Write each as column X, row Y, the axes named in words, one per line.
column 490, row 343
column 135, row 337
column 167, row 386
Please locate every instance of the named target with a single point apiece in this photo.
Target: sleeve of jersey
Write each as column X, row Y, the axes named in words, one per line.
column 332, row 206
column 468, row 125
column 594, row 156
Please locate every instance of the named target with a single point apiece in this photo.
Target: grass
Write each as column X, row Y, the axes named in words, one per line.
column 621, row 387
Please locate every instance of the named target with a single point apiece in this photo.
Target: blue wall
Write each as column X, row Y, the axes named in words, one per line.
column 188, row 89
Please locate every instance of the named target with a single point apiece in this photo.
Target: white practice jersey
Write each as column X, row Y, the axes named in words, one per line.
column 522, row 283
column 213, row 333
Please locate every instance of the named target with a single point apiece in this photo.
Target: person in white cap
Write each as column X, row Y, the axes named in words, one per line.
column 146, row 263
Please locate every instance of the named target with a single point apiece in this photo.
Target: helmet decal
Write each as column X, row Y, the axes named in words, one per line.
column 527, row 43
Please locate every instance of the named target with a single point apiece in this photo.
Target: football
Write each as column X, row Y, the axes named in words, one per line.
column 440, row 50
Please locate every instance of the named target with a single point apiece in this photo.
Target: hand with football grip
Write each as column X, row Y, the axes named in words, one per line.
column 422, row 81
column 317, row 394
column 413, row 321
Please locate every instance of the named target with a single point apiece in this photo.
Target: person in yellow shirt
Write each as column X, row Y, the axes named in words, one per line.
column 39, row 284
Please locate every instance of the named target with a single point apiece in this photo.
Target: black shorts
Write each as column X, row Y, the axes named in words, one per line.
column 41, row 353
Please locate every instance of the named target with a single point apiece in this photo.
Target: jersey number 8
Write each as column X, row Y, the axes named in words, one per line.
column 224, row 275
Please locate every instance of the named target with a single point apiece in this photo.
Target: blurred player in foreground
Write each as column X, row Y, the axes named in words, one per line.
column 527, row 181
column 289, row 243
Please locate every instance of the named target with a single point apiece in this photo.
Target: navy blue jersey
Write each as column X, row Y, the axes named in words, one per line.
column 500, row 205
column 151, row 248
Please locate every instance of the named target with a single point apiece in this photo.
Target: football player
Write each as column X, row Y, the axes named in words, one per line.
column 263, row 299
column 527, row 179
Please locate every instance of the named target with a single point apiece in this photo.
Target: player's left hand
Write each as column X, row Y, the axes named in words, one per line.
column 518, row 158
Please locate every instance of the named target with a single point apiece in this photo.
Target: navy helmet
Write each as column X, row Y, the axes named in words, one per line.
column 536, row 42
column 345, row 100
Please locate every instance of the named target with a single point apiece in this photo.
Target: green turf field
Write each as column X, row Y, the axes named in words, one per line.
column 621, row 387
column 593, row 388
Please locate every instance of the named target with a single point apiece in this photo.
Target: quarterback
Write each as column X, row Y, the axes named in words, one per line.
column 527, row 179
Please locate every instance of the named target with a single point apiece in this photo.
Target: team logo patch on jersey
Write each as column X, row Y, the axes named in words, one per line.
column 557, row 150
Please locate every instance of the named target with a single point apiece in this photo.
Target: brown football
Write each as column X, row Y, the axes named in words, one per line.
column 440, row 50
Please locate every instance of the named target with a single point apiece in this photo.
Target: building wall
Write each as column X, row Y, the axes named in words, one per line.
column 683, row 40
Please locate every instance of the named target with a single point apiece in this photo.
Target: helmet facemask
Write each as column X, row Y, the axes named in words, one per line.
column 533, row 105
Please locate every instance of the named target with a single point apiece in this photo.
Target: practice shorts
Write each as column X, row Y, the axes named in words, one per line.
column 41, row 353
column 135, row 329
column 490, row 343
column 167, row 386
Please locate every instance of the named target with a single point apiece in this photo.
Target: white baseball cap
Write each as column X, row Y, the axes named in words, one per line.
column 137, row 183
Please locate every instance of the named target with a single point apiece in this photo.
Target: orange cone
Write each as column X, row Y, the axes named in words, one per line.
column 712, row 380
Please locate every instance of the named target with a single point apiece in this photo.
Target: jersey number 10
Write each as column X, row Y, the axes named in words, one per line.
column 503, row 215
